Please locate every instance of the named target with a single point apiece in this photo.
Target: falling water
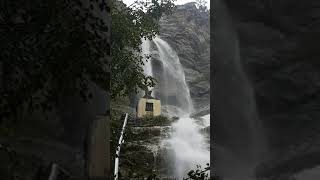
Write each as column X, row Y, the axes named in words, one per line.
column 174, row 88
column 188, row 144
column 239, row 143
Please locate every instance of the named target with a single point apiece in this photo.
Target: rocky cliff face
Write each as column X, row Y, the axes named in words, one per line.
column 187, row 32
column 279, row 52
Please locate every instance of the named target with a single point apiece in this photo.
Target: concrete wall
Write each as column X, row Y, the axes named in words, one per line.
column 99, row 148
column 142, row 107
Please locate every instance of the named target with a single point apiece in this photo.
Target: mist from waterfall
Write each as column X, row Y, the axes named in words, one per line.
column 189, row 146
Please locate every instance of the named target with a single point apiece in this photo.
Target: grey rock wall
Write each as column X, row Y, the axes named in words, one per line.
column 187, row 31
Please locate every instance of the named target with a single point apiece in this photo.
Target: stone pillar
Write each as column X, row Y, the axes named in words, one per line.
column 99, row 148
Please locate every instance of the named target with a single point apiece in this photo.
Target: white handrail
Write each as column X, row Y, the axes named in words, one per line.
column 116, row 161
column 56, row 170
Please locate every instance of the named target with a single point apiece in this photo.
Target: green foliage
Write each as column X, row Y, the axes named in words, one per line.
column 199, row 173
column 202, row 5
column 49, row 49
column 17, row 166
column 129, row 26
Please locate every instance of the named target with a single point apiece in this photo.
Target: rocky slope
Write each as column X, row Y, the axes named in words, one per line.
column 279, row 52
column 142, row 154
column 187, row 32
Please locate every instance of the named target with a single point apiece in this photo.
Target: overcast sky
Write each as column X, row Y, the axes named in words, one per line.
column 128, row 2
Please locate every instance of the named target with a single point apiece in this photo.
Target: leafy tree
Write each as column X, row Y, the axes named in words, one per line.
column 130, row 24
column 202, row 5
column 50, row 49
column 199, row 173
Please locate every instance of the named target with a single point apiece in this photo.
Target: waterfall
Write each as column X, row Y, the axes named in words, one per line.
column 188, row 144
column 174, row 89
column 239, row 141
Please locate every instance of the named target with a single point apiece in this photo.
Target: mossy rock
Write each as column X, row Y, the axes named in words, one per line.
column 155, row 121
column 142, row 135
column 138, row 163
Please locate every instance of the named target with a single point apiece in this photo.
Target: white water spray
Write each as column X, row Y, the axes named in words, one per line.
column 189, row 145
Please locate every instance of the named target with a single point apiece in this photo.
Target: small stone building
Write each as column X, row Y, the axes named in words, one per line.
column 148, row 106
